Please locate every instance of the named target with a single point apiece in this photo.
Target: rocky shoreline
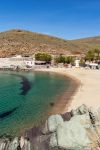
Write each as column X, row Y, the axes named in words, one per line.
column 78, row 129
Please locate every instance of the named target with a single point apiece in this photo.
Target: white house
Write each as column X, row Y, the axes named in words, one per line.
column 30, row 64
column 17, row 61
column 77, row 61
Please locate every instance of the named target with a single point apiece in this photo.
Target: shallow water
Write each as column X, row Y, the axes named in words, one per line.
column 25, row 97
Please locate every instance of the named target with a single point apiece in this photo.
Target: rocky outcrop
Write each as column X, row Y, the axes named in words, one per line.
column 15, row 144
column 75, row 130
column 80, row 132
column 70, row 135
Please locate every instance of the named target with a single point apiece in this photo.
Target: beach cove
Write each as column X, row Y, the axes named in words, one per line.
column 27, row 98
column 71, row 98
column 83, row 88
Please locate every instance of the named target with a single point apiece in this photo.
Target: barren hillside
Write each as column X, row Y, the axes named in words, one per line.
column 27, row 43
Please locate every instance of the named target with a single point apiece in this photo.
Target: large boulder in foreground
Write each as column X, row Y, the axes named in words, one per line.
column 75, row 130
column 70, row 135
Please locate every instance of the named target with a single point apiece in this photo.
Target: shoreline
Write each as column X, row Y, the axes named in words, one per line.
column 65, row 100
column 83, row 89
column 34, row 134
column 87, row 91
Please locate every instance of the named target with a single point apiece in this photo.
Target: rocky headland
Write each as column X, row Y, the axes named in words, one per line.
column 78, row 129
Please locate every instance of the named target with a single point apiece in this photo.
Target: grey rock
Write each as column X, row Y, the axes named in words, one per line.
column 53, row 140
column 14, row 144
column 74, row 112
column 83, row 109
column 92, row 115
column 45, row 129
column 2, row 145
column 75, row 130
column 53, row 122
column 21, row 142
column 27, row 145
column 71, row 135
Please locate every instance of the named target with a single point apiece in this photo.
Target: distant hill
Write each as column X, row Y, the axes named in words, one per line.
column 88, row 43
column 23, row 42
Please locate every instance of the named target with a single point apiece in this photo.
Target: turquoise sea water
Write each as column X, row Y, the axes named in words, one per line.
column 24, row 97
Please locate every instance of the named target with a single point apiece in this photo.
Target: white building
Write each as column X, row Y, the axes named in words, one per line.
column 92, row 65
column 77, row 62
column 30, row 64
column 17, row 61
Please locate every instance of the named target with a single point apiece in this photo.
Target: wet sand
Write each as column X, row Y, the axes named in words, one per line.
column 84, row 89
column 65, row 100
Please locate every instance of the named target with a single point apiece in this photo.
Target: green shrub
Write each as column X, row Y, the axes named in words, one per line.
column 43, row 57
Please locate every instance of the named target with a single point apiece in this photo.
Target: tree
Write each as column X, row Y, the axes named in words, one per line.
column 64, row 59
column 69, row 59
column 97, row 51
column 82, row 62
column 43, row 57
column 97, row 54
column 90, row 55
column 60, row 59
column 93, row 55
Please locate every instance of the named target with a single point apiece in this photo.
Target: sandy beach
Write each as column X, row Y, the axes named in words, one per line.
column 88, row 91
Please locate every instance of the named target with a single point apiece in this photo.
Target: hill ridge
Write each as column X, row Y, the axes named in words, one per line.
column 23, row 42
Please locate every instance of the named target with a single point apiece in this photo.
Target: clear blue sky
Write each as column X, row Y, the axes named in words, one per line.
column 69, row 19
